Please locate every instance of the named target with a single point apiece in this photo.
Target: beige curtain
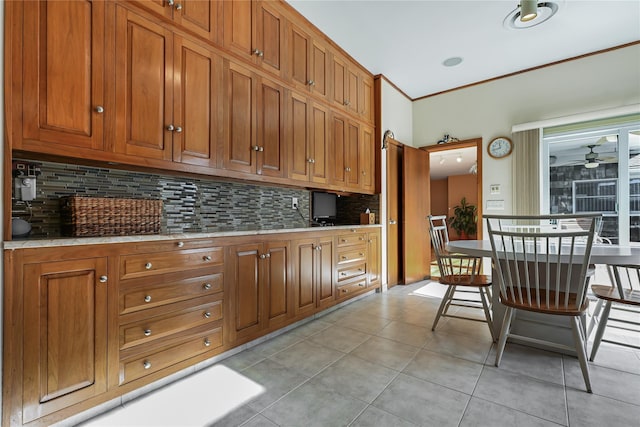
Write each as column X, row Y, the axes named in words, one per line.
column 526, row 172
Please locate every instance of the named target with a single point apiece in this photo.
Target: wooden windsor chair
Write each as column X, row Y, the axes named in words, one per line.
column 543, row 268
column 623, row 296
column 462, row 275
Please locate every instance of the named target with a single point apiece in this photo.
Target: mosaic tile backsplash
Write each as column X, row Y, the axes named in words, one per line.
column 190, row 204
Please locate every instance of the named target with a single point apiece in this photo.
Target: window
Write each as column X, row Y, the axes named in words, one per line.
column 595, row 167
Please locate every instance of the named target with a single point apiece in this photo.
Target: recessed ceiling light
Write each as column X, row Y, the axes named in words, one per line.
column 545, row 10
column 452, row 62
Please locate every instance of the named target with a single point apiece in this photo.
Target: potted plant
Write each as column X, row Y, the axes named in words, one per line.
column 464, row 220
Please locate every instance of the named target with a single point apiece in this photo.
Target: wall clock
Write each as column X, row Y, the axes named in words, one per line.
column 500, row 147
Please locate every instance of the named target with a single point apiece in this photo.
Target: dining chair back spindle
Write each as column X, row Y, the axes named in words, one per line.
column 543, row 268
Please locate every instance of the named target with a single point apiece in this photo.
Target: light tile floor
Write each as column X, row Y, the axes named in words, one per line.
column 376, row 362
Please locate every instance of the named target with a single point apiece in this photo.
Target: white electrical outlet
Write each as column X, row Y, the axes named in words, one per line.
column 294, row 203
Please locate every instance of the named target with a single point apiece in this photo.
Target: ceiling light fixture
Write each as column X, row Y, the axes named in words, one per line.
column 530, row 13
column 591, row 158
column 528, row 10
column 441, row 160
column 459, row 158
column 452, row 62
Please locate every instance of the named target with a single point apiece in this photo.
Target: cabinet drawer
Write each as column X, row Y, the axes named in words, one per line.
column 351, row 271
column 140, row 265
column 351, row 288
column 358, row 253
column 352, row 238
column 149, row 296
column 154, row 361
column 147, row 330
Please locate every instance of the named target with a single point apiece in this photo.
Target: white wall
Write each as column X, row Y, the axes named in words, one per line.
column 397, row 116
column 488, row 110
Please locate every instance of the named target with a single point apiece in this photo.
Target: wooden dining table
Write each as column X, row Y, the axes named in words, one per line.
column 537, row 325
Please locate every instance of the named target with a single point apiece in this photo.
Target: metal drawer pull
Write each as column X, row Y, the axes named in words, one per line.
column 103, row 279
column 353, row 230
column 360, row 269
column 207, row 343
column 148, row 266
column 207, row 315
column 343, row 274
column 146, row 364
column 147, row 298
column 361, row 254
column 344, row 240
column 344, row 257
column 147, row 332
column 361, row 285
column 344, row 291
column 180, row 244
column 207, row 286
column 206, row 258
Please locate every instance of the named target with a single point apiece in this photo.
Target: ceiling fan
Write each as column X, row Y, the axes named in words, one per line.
column 591, row 158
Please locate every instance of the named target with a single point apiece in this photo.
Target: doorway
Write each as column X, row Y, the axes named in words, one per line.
column 455, row 172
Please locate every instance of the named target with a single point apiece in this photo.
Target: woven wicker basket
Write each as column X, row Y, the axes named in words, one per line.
column 97, row 216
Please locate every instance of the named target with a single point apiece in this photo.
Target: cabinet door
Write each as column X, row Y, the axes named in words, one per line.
column 270, row 129
column 352, row 89
column 196, row 107
column 367, row 160
column 277, row 284
column 319, row 143
column 374, row 261
column 245, row 271
column 339, row 78
column 299, row 57
column 238, row 26
column 64, row 299
column 366, row 98
column 240, row 127
column 269, row 37
column 352, row 155
column 144, row 81
column 200, row 17
column 319, row 69
column 63, row 76
column 305, row 252
column 325, row 272
column 298, row 129
column 339, row 126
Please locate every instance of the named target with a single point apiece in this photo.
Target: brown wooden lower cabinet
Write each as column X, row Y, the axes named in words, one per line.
column 86, row 324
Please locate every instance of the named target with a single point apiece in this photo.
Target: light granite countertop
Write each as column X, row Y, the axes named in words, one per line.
column 76, row 241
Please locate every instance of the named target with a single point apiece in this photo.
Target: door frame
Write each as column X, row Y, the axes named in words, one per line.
column 467, row 143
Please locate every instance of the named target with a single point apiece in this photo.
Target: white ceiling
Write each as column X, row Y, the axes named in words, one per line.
column 407, row 41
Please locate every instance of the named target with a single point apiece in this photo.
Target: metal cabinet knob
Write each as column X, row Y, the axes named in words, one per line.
column 147, row 298
column 206, row 258
column 318, row 248
column 148, row 266
column 170, row 2
column 146, row 364
column 170, row 128
column 207, row 315
column 207, row 343
column 207, row 286
column 178, row 129
column 99, row 109
column 346, row 102
column 263, row 256
column 180, row 244
column 256, row 148
column 260, row 148
column 103, row 279
column 147, row 332
column 311, row 83
column 258, row 53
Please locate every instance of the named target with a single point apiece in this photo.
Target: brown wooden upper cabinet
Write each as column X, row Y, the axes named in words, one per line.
column 254, row 123
column 197, row 16
column 308, row 136
column 255, row 29
column 167, row 93
column 63, row 96
column 345, row 146
column 307, row 61
column 352, row 88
